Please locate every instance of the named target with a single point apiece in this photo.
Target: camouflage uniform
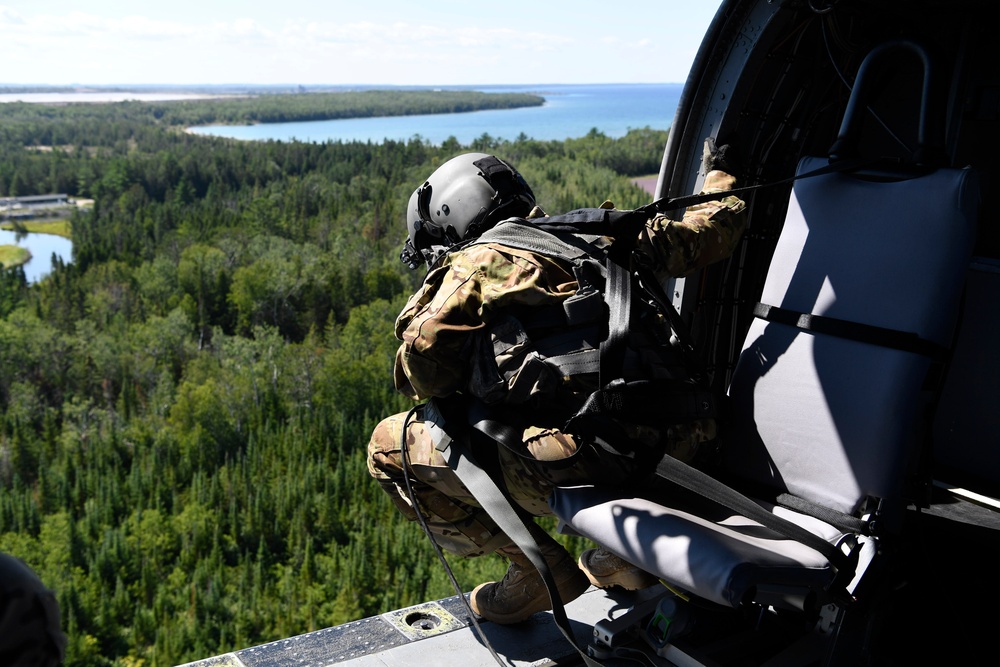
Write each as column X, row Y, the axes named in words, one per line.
column 459, row 299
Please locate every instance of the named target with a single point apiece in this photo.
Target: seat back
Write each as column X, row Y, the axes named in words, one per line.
column 830, row 417
column 878, row 258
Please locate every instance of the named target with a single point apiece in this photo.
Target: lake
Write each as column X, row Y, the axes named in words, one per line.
column 41, row 247
column 569, row 111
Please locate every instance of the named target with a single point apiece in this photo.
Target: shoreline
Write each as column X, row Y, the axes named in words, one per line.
column 57, row 227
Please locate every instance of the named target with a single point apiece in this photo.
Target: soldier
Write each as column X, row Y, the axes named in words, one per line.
column 450, row 331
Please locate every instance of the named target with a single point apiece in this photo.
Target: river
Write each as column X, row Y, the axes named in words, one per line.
column 569, row 111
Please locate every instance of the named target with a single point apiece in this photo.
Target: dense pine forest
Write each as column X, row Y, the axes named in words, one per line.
column 184, row 407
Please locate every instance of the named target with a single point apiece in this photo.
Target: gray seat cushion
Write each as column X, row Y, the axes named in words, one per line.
column 721, row 558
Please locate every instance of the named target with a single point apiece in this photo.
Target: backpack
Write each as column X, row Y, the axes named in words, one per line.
column 610, row 359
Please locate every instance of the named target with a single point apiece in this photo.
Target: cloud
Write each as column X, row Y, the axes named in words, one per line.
column 9, row 17
column 80, row 24
column 137, row 48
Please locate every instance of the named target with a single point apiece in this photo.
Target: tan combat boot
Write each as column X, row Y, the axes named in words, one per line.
column 522, row 592
column 604, row 570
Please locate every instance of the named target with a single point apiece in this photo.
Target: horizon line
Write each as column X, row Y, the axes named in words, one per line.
column 326, row 85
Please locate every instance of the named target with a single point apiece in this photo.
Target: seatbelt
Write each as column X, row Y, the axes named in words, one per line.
column 500, row 508
column 704, row 485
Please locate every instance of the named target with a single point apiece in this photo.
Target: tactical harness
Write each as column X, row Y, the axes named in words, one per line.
column 588, row 340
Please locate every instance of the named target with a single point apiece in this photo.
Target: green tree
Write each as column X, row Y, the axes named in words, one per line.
column 202, row 275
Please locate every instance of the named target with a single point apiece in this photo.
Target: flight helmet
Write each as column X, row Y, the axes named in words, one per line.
column 464, row 197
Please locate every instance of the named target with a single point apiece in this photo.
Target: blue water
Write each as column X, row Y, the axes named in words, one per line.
column 41, row 247
column 569, row 111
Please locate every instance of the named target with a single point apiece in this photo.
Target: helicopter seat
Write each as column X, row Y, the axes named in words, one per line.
column 828, row 394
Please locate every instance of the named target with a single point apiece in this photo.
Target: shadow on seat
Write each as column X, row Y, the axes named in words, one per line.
column 860, row 299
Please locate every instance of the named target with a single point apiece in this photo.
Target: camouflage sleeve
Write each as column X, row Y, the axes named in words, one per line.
column 457, row 301
column 707, row 233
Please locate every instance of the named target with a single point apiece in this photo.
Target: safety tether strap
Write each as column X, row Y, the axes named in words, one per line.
column 664, row 204
column 501, row 510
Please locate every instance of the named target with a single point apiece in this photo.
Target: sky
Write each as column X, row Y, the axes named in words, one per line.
column 344, row 42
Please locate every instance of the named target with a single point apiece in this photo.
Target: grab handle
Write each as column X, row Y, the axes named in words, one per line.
column 930, row 130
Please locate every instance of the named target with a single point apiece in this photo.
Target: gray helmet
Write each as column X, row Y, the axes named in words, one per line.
column 464, row 197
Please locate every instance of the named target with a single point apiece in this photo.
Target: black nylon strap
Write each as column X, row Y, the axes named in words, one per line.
column 577, row 363
column 489, row 496
column 501, row 510
column 621, row 225
column 652, row 287
column 484, row 419
column 707, row 486
column 676, row 203
column 862, row 333
column 841, row 520
column 528, row 235
column 618, row 296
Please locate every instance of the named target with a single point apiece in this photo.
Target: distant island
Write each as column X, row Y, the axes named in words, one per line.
column 244, row 107
column 332, row 106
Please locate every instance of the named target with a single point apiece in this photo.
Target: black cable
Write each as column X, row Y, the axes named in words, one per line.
column 404, row 455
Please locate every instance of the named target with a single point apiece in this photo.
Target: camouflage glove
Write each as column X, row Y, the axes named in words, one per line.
column 716, row 157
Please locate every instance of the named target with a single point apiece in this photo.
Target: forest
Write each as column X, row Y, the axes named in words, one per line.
column 185, row 406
